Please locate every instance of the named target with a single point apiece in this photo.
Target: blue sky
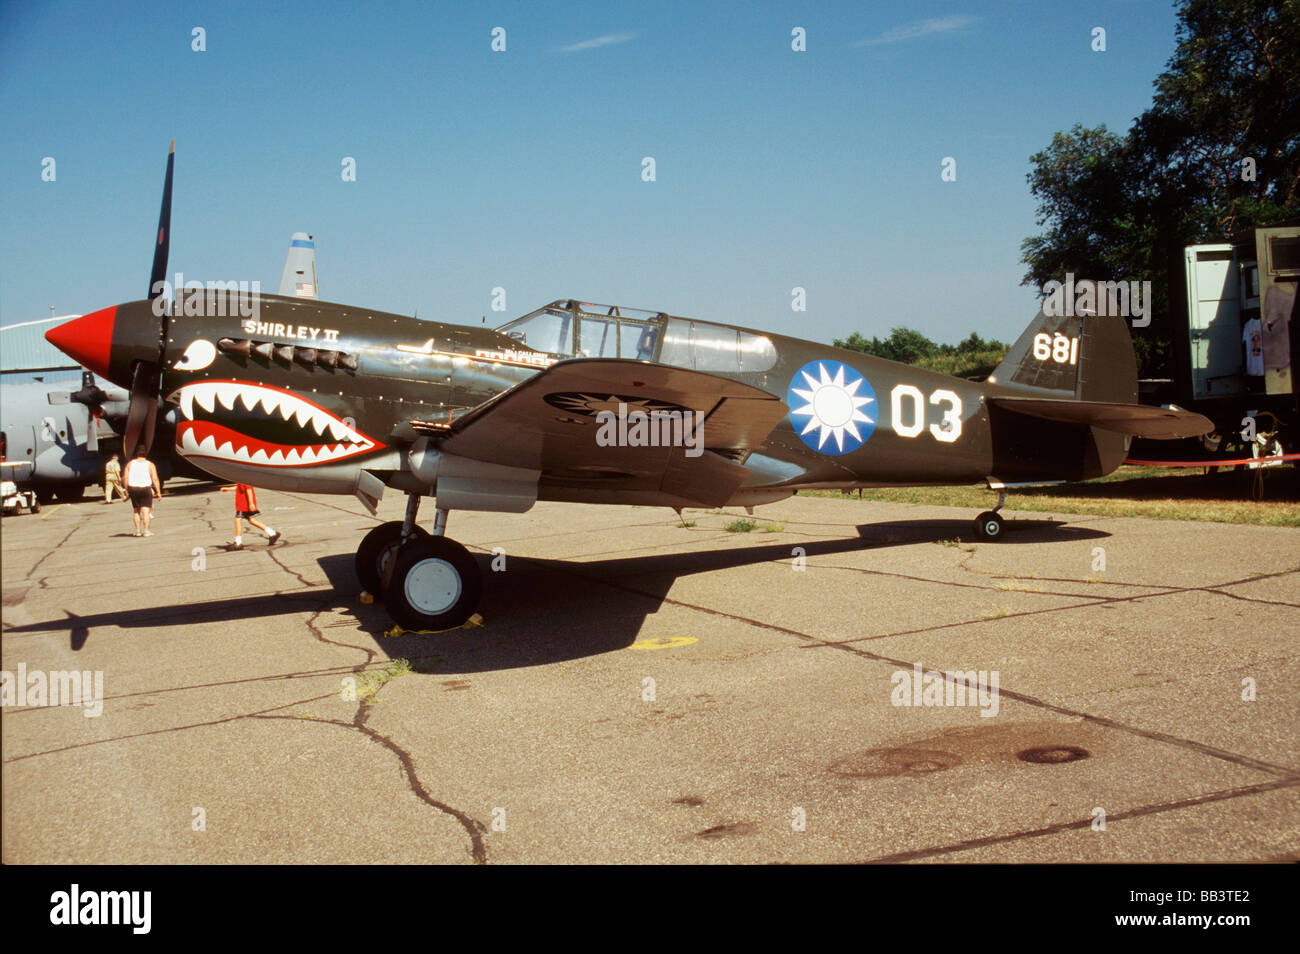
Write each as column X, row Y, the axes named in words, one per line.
column 523, row 169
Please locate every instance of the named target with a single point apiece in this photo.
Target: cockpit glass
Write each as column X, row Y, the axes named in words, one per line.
column 599, row 338
column 708, row 347
column 549, row 330
column 584, row 330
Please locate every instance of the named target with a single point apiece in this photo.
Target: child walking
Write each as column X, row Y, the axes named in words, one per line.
column 246, row 509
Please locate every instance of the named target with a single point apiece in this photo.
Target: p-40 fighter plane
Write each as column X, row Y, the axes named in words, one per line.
column 593, row 404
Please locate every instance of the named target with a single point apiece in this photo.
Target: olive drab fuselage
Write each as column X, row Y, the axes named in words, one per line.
column 358, row 386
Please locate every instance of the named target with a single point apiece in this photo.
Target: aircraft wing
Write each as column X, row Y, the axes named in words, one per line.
column 1139, row 420
column 549, row 423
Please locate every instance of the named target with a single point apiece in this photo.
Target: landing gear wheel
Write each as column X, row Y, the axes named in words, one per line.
column 989, row 526
column 45, row 493
column 70, row 493
column 376, row 550
column 433, row 583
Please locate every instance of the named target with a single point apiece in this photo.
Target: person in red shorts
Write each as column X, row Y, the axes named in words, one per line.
column 246, row 509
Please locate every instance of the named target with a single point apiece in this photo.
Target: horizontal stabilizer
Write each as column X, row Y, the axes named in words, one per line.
column 1138, row 420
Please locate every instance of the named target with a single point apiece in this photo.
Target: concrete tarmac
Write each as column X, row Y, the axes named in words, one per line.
column 642, row 691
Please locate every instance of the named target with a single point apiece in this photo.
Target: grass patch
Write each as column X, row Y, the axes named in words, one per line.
column 1186, row 494
column 772, row 528
column 372, row 680
column 685, row 523
column 968, row 547
column 741, row 526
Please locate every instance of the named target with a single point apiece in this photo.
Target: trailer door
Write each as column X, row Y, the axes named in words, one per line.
column 1214, row 321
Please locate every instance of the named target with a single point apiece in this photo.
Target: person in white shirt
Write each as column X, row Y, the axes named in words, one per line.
column 142, row 484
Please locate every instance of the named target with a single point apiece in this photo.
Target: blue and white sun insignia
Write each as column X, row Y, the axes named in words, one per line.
column 832, row 407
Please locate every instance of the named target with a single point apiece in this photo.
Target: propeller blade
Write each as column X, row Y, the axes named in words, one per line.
column 142, row 409
column 163, row 240
column 161, row 250
column 142, row 412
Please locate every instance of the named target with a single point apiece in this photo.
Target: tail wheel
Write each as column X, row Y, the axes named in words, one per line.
column 376, row 552
column 432, row 583
column 989, row 526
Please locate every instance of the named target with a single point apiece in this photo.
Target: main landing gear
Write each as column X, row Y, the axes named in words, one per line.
column 989, row 525
column 427, row 581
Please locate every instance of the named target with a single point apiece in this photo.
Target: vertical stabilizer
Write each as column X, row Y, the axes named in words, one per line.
column 299, row 277
column 1086, row 358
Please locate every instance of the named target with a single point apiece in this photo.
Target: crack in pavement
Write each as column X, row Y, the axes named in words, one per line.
column 276, row 677
column 301, row 579
column 816, row 643
column 1092, row 601
column 1138, row 812
column 992, row 589
column 49, row 553
column 164, row 731
column 474, row 828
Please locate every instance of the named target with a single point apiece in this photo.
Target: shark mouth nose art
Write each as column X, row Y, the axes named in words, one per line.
column 258, row 424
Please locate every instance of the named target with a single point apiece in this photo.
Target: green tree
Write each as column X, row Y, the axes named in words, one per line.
column 905, row 345
column 1123, row 207
column 972, row 358
column 856, row 342
column 975, row 344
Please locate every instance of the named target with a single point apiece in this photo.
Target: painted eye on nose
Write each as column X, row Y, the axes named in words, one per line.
column 197, row 356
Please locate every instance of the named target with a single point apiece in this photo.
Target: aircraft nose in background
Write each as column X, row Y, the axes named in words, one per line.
column 88, row 339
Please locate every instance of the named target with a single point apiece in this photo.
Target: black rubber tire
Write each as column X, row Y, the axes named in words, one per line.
column 375, row 551
column 44, row 493
column 990, row 526
column 414, row 557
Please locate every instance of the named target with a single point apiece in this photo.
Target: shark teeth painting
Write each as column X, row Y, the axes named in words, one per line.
column 261, row 425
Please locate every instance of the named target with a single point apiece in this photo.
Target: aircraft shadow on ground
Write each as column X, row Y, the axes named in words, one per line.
column 542, row 611
column 169, row 616
column 538, row 611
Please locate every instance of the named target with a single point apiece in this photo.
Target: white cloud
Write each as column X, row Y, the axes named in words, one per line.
column 608, row 40
column 920, row 28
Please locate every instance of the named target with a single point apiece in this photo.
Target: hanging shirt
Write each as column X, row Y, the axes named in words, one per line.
column 1251, row 335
